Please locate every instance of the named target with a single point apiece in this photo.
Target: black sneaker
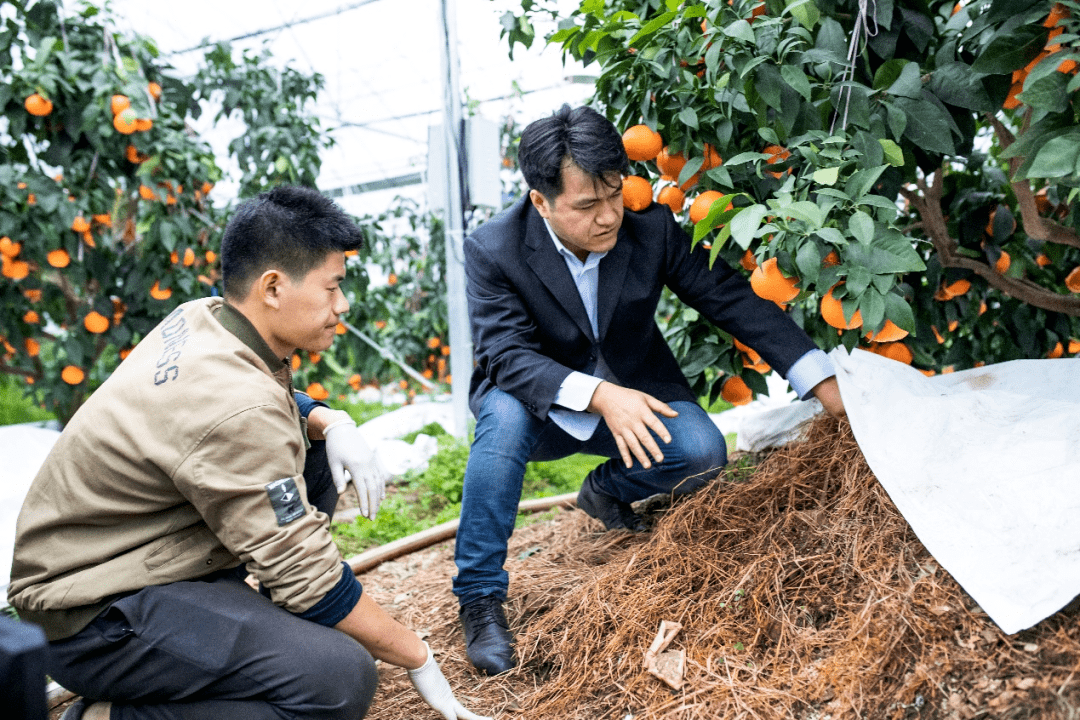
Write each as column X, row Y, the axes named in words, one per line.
column 487, row 635
column 614, row 513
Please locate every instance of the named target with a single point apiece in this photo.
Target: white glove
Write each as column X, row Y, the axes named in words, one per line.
column 435, row 690
column 346, row 450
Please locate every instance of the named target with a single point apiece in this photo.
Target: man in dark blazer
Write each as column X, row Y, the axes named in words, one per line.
column 562, row 290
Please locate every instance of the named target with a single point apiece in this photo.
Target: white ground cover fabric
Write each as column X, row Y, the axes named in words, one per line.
column 25, row 448
column 985, row 466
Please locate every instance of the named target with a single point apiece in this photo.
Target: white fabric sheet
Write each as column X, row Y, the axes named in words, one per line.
column 985, row 466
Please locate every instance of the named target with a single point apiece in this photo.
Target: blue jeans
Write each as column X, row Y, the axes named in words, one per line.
column 508, row 436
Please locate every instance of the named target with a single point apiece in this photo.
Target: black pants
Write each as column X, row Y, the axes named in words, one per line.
column 213, row 648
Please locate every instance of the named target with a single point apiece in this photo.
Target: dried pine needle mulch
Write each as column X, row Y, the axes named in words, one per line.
column 802, row 593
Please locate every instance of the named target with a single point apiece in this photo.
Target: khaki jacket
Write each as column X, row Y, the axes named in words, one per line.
column 189, row 459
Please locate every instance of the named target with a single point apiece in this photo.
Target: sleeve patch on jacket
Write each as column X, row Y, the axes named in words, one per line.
column 285, row 499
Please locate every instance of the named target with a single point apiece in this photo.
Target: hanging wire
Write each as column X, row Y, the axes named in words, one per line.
column 859, row 36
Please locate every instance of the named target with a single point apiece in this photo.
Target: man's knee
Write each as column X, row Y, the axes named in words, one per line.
column 341, row 683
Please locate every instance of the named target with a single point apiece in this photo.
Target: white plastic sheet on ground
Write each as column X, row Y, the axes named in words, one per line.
column 985, row 466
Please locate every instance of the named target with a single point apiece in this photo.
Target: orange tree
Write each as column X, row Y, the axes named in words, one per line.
column 911, row 169
column 106, row 222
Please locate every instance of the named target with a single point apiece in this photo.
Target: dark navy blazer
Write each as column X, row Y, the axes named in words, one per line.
column 530, row 329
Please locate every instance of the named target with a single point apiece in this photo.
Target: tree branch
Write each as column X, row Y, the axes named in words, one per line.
column 1036, row 226
column 928, row 205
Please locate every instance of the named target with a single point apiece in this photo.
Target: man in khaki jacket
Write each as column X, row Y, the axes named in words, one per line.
column 188, row 468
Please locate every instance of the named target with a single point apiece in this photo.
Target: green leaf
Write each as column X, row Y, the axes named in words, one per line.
column 1046, row 93
column 652, row 26
column 890, row 253
column 744, row 226
column 806, row 12
column 897, row 310
column 808, row 261
column 689, row 117
column 957, row 84
column 872, row 307
column 861, row 226
column 893, row 154
column 862, row 181
column 888, row 73
column 928, row 125
column 797, row 80
column 1012, row 51
column 832, row 236
column 858, row 279
column 745, row 157
column 689, row 170
column 827, row 176
column 909, row 83
column 740, row 30
column 1057, row 158
column 767, row 82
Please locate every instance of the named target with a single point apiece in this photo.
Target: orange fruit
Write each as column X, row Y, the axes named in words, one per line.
column 735, row 391
column 776, row 154
column 96, row 323
column 1042, row 260
column 314, row 357
column 211, row 256
column 317, row 391
column 189, row 257
column 895, row 351
column 147, row 193
column 1056, row 352
column 958, row 288
column 58, row 258
column 636, row 193
column 1011, row 101
column 712, row 158
column 15, row 269
column 206, row 188
column 673, row 197
column 72, row 375
column 428, row 374
column 143, row 124
column 702, row 203
column 174, row 257
column 953, row 324
column 1074, row 346
column 1042, row 202
column 103, row 219
column 154, row 90
column 1057, row 13
column 769, row 283
column 133, row 155
column 1067, row 66
column 33, row 295
column 119, row 103
column 8, row 247
column 80, row 225
column 355, row 381
column 403, row 384
column 340, row 329
column 937, row 335
column 31, row 317
column 380, row 324
column 1072, row 281
column 832, row 312
column 433, row 342
column 88, row 238
column 445, row 350
column 748, row 261
column 1003, row 263
column 391, row 279
column 889, row 333
column 33, row 347
column 670, row 165
column 296, row 362
column 37, row 105
column 125, row 352
column 159, row 293
column 124, row 122
column 642, row 143
column 833, row 258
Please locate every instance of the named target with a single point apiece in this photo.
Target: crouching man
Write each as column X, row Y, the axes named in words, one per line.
column 191, row 466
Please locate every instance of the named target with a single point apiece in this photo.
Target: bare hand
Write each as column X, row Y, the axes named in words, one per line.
column 630, row 414
column 828, row 392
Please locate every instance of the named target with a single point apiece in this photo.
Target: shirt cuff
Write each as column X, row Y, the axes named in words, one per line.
column 337, row 603
column 306, row 403
column 808, row 371
column 576, row 391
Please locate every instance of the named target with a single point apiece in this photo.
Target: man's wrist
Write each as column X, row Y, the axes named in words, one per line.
column 322, row 418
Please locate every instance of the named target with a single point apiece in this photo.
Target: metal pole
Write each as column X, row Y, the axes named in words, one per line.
column 461, row 360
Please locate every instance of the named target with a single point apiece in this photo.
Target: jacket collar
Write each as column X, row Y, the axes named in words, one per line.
column 235, row 322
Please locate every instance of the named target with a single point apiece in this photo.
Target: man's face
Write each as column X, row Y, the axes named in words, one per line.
column 588, row 213
column 309, row 310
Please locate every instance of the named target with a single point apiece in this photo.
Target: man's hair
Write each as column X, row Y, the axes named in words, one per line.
column 291, row 229
column 581, row 134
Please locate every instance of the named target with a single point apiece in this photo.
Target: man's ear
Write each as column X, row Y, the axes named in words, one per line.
column 541, row 203
column 267, row 288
